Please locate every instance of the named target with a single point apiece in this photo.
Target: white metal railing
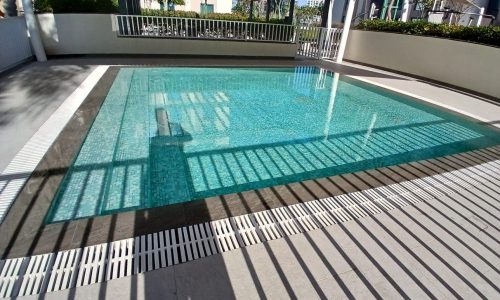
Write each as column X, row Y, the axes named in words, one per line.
column 319, row 42
column 173, row 27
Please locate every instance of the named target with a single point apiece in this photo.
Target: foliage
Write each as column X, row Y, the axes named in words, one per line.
column 277, row 11
column 167, row 13
column 176, row 2
column 43, row 6
column 242, row 7
column 226, row 16
column 427, row 4
column 272, row 21
column 310, row 15
column 308, row 11
column 76, row 6
column 489, row 35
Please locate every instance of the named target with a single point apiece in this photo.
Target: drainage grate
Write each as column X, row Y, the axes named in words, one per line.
column 94, row 264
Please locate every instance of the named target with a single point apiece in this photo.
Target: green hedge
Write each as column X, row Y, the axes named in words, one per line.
column 211, row 16
column 225, row 16
column 168, row 13
column 76, row 6
column 489, row 35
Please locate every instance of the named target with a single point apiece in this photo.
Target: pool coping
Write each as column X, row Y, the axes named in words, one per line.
column 32, row 204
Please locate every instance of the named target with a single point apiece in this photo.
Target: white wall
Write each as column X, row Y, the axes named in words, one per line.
column 14, row 42
column 467, row 65
column 95, row 34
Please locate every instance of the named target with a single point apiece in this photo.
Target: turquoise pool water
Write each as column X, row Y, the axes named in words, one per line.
column 170, row 135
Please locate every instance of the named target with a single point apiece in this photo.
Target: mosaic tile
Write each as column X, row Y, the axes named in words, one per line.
column 171, row 135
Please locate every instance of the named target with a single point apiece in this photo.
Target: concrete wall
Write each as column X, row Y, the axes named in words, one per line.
column 467, row 65
column 14, row 42
column 96, row 34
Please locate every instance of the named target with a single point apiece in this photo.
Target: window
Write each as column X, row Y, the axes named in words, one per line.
column 206, row 8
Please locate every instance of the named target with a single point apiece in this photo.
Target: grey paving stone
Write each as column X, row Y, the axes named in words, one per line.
column 159, row 284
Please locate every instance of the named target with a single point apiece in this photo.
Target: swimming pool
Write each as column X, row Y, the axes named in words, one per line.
column 171, row 135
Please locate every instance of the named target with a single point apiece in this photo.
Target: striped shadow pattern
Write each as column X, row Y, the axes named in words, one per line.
column 93, row 264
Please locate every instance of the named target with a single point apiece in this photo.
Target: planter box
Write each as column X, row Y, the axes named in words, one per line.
column 467, row 65
column 64, row 34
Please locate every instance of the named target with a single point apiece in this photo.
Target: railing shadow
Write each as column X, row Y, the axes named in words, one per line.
column 393, row 254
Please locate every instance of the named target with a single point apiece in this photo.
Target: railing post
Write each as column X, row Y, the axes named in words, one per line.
column 345, row 31
column 32, row 24
column 295, row 39
column 480, row 17
column 406, row 11
column 321, row 43
column 186, row 31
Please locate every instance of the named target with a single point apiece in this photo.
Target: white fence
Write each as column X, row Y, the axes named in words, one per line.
column 172, row 27
column 319, row 42
column 14, row 42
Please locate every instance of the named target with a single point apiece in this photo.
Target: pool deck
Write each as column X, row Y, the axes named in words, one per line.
column 445, row 247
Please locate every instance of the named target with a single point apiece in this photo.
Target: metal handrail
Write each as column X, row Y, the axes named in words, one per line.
column 194, row 28
column 319, row 42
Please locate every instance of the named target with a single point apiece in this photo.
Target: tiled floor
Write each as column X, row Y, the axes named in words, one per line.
column 29, row 95
column 443, row 248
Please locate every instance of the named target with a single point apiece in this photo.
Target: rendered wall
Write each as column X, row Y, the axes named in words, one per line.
column 14, row 42
column 95, row 34
column 470, row 66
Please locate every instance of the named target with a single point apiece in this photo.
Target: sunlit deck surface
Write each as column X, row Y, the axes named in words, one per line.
column 441, row 244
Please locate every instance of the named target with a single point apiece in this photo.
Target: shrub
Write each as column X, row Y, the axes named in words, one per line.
column 168, row 13
column 43, row 6
column 489, row 35
column 225, row 16
column 76, row 6
column 272, row 21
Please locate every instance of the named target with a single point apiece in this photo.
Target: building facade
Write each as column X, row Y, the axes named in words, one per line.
column 199, row 6
column 465, row 13
column 459, row 12
column 314, row 3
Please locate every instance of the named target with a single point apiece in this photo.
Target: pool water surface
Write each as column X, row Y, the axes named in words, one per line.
column 171, row 135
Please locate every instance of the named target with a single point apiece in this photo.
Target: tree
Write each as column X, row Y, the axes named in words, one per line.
column 308, row 14
column 242, row 7
column 308, row 11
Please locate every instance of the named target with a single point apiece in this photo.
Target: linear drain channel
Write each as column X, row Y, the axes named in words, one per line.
column 94, row 264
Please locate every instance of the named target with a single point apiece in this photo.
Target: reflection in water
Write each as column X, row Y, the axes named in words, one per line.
column 172, row 135
column 168, row 174
column 329, row 113
column 162, row 122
